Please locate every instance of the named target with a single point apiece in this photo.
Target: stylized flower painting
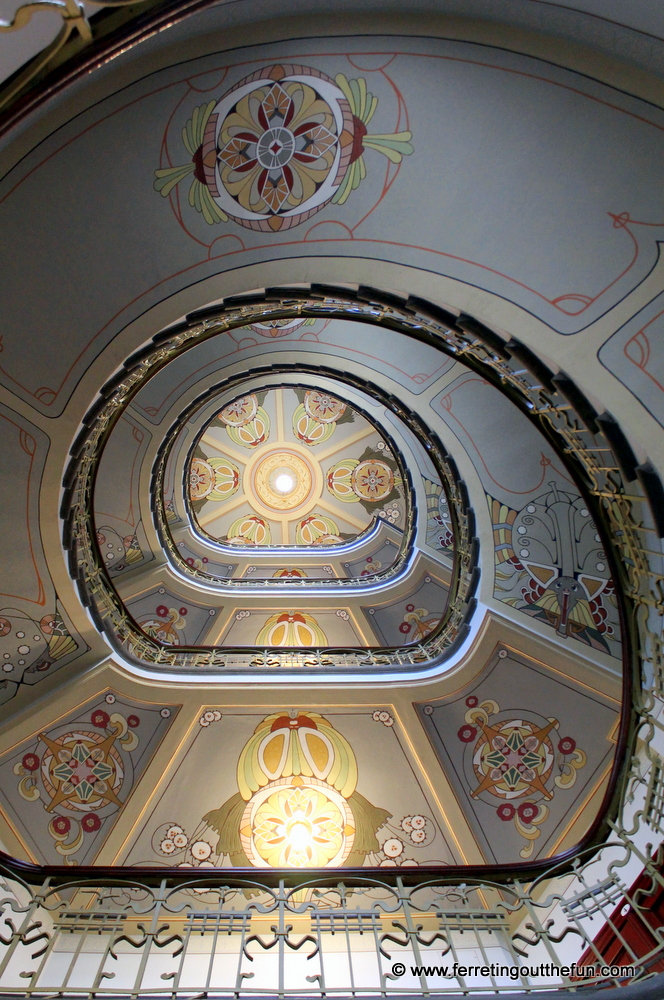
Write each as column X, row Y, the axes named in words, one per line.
column 279, row 146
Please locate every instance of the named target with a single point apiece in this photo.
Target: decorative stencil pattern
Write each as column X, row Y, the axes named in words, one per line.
column 279, row 146
column 63, row 789
column 550, row 564
column 296, row 789
column 524, row 748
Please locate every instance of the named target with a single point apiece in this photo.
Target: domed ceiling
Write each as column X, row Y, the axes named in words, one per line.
column 335, row 551
column 285, row 487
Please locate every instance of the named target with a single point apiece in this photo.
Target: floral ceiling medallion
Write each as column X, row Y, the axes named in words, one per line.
column 278, row 147
column 283, row 480
column 519, row 761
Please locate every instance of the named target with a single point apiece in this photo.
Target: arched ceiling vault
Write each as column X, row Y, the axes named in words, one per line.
column 332, row 477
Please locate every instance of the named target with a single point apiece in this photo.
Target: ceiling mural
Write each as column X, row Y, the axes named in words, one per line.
column 36, row 635
column 279, row 146
column 524, row 748
column 288, row 483
column 550, row 562
column 413, row 616
column 289, row 466
column 276, row 507
column 172, row 620
column 358, row 141
column 295, row 788
column 635, row 355
column 551, row 565
column 297, row 625
column 31, row 646
column 63, row 789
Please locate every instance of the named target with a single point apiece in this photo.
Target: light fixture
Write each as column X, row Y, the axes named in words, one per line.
column 300, row 834
column 284, row 482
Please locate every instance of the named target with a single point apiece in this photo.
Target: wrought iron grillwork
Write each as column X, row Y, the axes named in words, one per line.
column 602, row 902
column 74, row 937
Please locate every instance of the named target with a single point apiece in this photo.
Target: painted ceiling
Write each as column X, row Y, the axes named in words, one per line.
column 292, row 467
column 287, row 485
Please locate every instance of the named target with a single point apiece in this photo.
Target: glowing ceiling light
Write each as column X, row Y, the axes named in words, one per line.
column 284, row 482
column 299, row 835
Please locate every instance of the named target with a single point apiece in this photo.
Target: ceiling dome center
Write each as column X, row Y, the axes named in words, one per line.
column 283, row 480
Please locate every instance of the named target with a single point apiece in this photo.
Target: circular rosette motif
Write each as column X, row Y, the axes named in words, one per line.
column 201, row 479
column 251, row 530
column 372, row 480
column 317, row 529
column 322, row 407
column 291, row 628
column 240, row 412
column 513, row 759
column 283, row 139
column 247, row 423
column 82, row 771
column 298, row 826
column 216, row 479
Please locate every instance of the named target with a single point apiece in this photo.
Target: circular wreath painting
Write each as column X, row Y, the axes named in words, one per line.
column 279, row 146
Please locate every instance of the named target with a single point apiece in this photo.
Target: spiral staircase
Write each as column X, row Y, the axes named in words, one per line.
column 332, row 401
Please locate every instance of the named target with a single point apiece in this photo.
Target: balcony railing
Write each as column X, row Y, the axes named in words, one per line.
column 594, row 916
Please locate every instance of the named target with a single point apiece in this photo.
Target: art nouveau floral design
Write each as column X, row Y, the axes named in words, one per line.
column 371, row 479
column 278, row 147
column 551, row 565
column 519, row 761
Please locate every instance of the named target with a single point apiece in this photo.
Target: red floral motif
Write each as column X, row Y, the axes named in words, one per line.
column 61, row 825
column 467, row 734
column 405, row 628
column 410, row 607
column 162, row 610
column 527, row 811
column 90, row 823
column 471, row 701
column 133, row 721
column 567, row 745
column 505, row 811
column 30, row 761
column 323, row 407
column 100, row 719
